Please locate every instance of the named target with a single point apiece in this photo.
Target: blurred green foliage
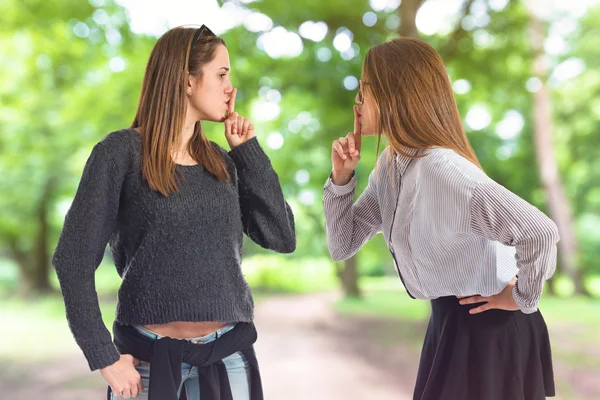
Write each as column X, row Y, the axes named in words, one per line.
column 72, row 73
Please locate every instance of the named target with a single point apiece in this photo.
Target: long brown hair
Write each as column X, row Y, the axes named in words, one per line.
column 416, row 108
column 163, row 104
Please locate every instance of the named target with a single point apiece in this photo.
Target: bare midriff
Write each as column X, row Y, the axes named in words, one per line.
column 186, row 330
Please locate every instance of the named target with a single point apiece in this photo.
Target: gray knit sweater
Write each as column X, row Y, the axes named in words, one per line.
column 178, row 256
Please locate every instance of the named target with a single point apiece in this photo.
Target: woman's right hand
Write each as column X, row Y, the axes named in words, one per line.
column 345, row 153
column 123, row 378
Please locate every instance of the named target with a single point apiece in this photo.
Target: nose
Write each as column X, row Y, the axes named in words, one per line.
column 228, row 87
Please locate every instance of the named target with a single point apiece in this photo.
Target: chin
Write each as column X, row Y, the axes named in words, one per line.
column 215, row 118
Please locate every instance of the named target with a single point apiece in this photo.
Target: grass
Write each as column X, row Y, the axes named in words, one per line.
column 277, row 274
column 39, row 325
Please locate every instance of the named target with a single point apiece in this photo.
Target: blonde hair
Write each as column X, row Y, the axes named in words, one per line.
column 415, row 104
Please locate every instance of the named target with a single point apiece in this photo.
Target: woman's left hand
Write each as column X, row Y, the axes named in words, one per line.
column 501, row 301
column 238, row 129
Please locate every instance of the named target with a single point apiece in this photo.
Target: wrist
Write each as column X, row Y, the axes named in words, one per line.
column 341, row 178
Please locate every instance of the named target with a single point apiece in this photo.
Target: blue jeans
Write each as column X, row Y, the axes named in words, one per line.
column 238, row 369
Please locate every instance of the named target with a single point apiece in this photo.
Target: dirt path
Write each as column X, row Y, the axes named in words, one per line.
column 307, row 352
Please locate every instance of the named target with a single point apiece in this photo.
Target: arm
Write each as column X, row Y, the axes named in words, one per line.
column 500, row 215
column 266, row 216
column 88, row 226
column 349, row 226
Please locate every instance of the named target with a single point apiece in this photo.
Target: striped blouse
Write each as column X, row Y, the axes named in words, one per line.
column 451, row 229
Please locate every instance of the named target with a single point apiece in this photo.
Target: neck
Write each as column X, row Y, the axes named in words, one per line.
column 188, row 129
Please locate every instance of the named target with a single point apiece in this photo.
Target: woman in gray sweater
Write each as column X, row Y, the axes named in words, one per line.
column 174, row 207
column 452, row 232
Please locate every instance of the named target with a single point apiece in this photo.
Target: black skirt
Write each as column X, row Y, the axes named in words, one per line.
column 495, row 355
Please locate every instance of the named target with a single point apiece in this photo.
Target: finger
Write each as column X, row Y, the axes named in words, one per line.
column 234, row 126
column 355, row 158
column 136, row 362
column 134, row 390
column 344, row 142
column 231, row 103
column 337, row 146
column 353, row 149
column 250, row 133
column 228, row 125
column 357, row 129
column 245, row 127
column 240, row 124
column 140, row 386
column 472, row 300
column 126, row 394
column 350, row 138
column 481, row 308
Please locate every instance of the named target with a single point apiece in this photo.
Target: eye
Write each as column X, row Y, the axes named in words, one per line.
column 223, row 75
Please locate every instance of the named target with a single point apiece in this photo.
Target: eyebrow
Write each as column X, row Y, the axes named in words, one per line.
column 225, row 68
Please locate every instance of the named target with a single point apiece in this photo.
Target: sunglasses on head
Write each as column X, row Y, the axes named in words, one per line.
column 203, row 30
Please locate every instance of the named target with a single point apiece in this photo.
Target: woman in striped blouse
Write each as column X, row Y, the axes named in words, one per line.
column 480, row 253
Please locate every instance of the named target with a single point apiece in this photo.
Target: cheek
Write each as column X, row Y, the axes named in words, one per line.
column 369, row 121
column 370, row 114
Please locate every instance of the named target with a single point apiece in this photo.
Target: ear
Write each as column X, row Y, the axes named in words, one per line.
column 191, row 84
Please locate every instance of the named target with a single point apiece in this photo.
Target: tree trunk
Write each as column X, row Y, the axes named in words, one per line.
column 23, row 261
column 557, row 201
column 348, row 276
column 34, row 263
column 41, row 268
column 408, row 18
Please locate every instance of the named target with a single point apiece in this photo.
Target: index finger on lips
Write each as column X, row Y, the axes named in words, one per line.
column 232, row 101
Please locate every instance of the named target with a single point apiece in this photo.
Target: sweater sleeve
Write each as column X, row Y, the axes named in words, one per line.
column 88, row 226
column 266, row 216
column 500, row 215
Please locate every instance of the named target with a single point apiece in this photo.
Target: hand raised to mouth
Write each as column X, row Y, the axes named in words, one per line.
column 345, row 153
column 238, row 129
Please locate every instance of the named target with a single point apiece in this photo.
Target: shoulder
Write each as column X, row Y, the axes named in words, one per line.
column 448, row 165
column 224, row 153
column 230, row 164
column 219, row 148
column 445, row 171
column 120, row 146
